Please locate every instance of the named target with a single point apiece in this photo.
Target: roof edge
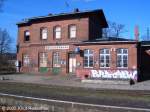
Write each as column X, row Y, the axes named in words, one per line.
column 28, row 20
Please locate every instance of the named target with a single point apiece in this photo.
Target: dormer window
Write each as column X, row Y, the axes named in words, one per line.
column 72, row 31
column 26, row 35
column 44, row 33
column 57, row 32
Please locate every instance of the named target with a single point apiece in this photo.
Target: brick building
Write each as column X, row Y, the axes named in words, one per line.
column 72, row 43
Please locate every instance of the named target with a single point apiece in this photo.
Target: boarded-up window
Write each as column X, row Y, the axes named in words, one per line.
column 26, row 60
column 56, row 59
column 43, row 57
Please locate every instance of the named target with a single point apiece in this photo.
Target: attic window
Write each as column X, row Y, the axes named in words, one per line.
column 72, row 31
column 44, row 33
column 26, row 35
column 57, row 32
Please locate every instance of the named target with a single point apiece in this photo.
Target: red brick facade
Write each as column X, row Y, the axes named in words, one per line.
column 88, row 27
column 112, row 46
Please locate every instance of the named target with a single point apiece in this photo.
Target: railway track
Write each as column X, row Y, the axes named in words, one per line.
column 136, row 98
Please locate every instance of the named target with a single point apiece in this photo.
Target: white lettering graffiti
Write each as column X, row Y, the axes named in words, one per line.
column 117, row 74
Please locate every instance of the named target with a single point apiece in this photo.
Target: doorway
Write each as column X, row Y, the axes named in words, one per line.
column 72, row 62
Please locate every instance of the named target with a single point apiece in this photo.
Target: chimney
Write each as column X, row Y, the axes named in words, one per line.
column 50, row 14
column 76, row 10
column 136, row 32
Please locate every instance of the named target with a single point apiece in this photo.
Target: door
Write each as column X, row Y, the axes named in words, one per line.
column 72, row 63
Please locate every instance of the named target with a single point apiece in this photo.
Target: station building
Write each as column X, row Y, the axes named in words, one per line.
column 72, row 44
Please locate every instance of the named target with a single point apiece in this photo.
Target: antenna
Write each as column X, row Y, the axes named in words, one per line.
column 148, row 33
column 136, row 32
column 67, row 4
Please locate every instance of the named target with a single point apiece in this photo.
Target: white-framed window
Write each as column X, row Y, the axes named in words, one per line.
column 43, row 58
column 57, row 32
column 56, row 59
column 104, row 58
column 122, row 58
column 72, row 31
column 88, row 58
column 44, row 33
column 26, row 35
column 26, row 60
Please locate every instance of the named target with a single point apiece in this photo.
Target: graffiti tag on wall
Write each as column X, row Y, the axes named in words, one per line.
column 114, row 74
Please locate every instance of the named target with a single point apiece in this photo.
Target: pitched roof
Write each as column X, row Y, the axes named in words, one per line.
column 75, row 14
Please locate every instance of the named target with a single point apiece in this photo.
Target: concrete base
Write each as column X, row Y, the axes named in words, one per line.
column 106, row 81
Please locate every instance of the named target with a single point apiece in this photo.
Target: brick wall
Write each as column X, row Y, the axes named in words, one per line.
column 36, row 45
column 132, row 57
column 131, row 49
column 35, row 50
column 82, row 31
column 86, row 28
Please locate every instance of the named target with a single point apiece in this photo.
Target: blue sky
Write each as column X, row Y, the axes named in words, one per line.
column 127, row 12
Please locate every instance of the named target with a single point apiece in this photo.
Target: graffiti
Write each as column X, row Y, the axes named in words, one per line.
column 114, row 74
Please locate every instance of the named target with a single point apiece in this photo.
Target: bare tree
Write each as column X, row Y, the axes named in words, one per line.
column 114, row 30
column 5, row 41
column 107, row 32
column 5, row 44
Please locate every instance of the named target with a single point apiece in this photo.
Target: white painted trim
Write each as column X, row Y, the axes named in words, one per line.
column 77, row 103
column 89, row 67
column 104, row 68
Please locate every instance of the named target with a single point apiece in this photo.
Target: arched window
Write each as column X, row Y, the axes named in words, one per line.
column 44, row 33
column 26, row 35
column 57, row 32
column 122, row 58
column 88, row 58
column 72, row 31
column 104, row 58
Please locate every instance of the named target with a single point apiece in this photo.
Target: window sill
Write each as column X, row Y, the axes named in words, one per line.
column 26, row 41
column 57, row 38
column 56, row 66
column 122, row 67
column 88, row 67
column 105, row 67
column 73, row 38
column 43, row 39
